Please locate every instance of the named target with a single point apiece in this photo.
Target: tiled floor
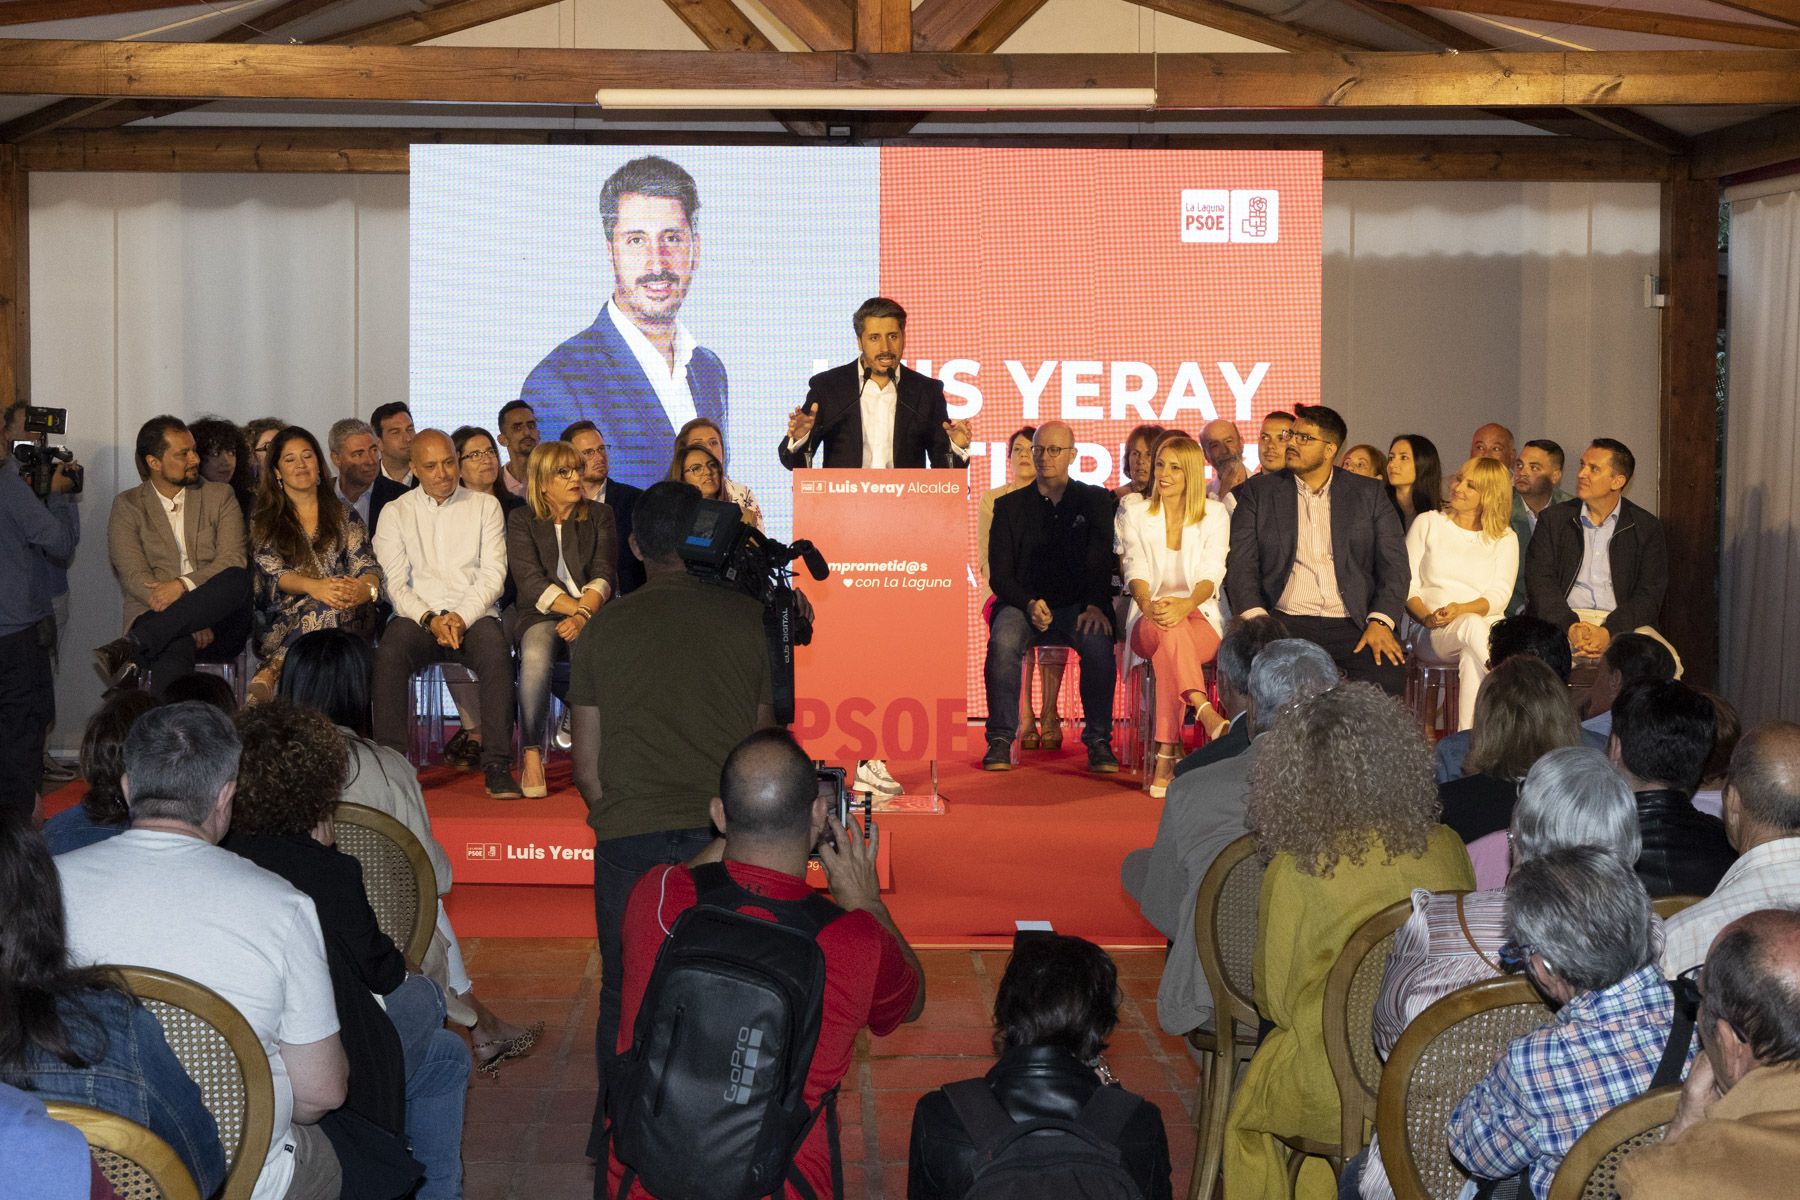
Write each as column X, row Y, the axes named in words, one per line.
column 527, row 1130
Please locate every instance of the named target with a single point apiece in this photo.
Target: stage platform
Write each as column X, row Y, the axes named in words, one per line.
column 1042, row 842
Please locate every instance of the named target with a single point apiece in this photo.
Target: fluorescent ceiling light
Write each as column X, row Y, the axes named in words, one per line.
column 903, row 99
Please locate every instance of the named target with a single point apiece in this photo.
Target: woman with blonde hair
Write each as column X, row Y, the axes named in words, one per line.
column 1344, row 809
column 702, row 432
column 1465, row 561
column 1173, row 548
column 562, row 550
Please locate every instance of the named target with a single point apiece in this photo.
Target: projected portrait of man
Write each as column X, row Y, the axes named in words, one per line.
column 637, row 372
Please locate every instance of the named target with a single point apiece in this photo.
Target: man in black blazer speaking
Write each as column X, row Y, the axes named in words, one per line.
column 872, row 412
column 1322, row 550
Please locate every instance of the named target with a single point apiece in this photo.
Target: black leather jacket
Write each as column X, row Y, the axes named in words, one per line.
column 1685, row 850
column 1030, row 1082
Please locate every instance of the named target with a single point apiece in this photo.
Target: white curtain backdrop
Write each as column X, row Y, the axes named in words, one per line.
column 1760, row 592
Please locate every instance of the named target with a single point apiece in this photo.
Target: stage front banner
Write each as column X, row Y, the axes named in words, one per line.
column 884, row 676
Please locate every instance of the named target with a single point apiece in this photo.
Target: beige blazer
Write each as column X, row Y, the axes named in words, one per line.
column 143, row 550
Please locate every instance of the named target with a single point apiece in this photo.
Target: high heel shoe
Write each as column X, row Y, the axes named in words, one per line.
column 1159, row 790
column 1029, row 736
column 1050, row 734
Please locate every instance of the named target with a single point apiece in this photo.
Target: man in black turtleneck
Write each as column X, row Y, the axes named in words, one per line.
column 1662, row 733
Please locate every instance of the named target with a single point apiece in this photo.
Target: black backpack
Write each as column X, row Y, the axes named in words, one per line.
column 1049, row 1158
column 708, row 1103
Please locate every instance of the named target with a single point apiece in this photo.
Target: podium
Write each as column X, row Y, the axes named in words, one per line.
column 885, row 674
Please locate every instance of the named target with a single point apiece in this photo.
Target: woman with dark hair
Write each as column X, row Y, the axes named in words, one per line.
column 1138, row 458
column 315, row 566
column 76, row 1034
column 700, row 468
column 101, row 813
column 1415, row 477
column 329, row 671
column 478, row 460
column 259, row 435
column 562, row 552
column 703, row 433
column 1057, row 1004
column 225, row 458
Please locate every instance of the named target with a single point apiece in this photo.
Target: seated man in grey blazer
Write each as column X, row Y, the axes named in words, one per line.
column 1323, row 550
column 177, row 547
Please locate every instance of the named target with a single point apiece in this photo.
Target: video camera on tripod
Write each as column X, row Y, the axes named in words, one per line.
column 37, row 463
column 720, row 548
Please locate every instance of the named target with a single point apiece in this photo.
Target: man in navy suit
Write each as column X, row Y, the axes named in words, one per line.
column 590, row 447
column 873, row 413
column 1322, row 550
column 637, row 372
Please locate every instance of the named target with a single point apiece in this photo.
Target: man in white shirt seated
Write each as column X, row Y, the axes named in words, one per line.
column 442, row 549
column 163, row 895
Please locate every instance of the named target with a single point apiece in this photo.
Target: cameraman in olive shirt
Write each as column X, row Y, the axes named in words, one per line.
column 665, row 682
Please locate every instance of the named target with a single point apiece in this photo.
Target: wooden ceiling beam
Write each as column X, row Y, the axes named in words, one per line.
column 819, row 24
column 491, row 75
column 952, row 24
column 33, row 12
column 1631, row 20
column 1002, row 21
column 720, row 25
column 1433, row 30
column 1778, row 10
column 1245, row 23
column 1766, row 141
column 882, row 27
column 384, row 151
column 270, row 23
column 1637, row 127
column 441, row 21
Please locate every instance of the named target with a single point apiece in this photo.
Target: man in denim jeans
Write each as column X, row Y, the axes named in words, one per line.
column 665, row 683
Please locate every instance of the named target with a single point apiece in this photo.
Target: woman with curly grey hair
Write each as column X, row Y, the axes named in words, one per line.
column 1344, row 807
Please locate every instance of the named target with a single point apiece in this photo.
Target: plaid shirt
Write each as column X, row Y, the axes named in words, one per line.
column 1600, row 1051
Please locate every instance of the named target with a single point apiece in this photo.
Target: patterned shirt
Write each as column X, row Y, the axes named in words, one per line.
column 1765, row 876
column 1602, row 1049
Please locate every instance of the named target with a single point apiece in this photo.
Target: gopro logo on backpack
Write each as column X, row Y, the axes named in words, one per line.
column 743, row 1064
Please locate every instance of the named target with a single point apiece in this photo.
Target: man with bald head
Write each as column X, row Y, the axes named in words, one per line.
column 1736, row 1131
column 1493, row 441
column 442, row 549
column 773, row 816
column 1224, row 449
column 1050, row 562
column 1762, row 819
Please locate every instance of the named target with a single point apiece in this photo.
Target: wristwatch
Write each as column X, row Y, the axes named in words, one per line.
column 428, row 617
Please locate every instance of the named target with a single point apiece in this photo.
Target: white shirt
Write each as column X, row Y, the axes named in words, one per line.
column 443, row 557
column 879, row 402
column 1767, row 876
column 176, row 511
column 669, row 382
column 148, row 898
column 405, row 479
column 1453, row 565
column 361, row 504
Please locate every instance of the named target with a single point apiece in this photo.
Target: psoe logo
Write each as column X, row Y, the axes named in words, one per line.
column 1255, row 215
column 480, row 851
column 1204, row 215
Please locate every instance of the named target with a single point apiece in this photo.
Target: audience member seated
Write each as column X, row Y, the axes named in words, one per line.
column 701, row 469
column 393, row 425
column 703, row 432
column 772, row 816
column 1493, row 441
column 1057, row 1004
column 257, row 435
column 329, row 671
column 1365, row 460
column 442, row 549
column 1346, row 815
column 590, row 447
column 101, row 813
column 1049, row 660
column 1322, row 550
column 46, row 1159
column 1572, row 797
column 1204, row 814
column 177, row 547
column 1578, row 925
column 73, row 1033
column 1709, row 798
column 1464, row 560
column 1224, row 448
column 1662, row 734
column 1050, row 562
column 1243, row 641
column 1174, row 561
column 562, row 550
column 1762, row 820
column 152, row 897
column 1520, row 634
column 1598, row 566
column 1537, row 476
column 1271, row 441
column 1627, row 659
column 356, row 462
column 1415, row 477
column 225, row 458
column 1138, row 461
column 1523, row 713
column 315, row 566
column 408, row 1074
column 518, row 428
column 1736, row 1132
column 204, row 687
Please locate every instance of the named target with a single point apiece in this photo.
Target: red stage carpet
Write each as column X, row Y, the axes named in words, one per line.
column 1042, row 842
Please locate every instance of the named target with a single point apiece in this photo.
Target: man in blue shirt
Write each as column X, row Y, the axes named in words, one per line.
column 31, row 532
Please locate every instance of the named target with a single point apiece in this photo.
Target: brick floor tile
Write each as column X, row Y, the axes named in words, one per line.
column 922, row 1038
column 917, row 1074
column 557, row 1181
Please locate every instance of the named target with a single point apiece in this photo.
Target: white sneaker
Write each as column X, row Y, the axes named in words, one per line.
column 872, row 776
column 563, row 738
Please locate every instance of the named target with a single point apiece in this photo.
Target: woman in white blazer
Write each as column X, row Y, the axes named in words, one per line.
column 1173, row 548
column 1465, row 560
